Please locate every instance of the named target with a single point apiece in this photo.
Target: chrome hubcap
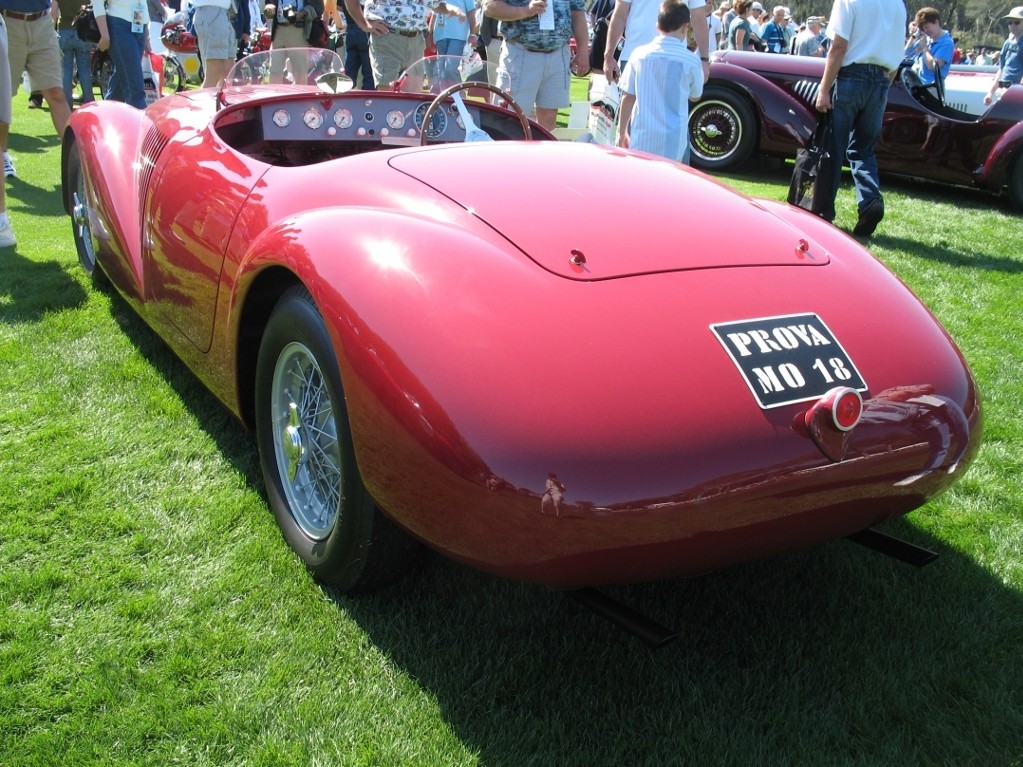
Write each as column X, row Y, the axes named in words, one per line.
column 711, row 130
column 306, row 441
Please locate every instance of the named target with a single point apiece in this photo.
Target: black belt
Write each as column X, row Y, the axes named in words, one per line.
column 23, row 16
column 878, row 67
column 1004, row 83
column 536, row 50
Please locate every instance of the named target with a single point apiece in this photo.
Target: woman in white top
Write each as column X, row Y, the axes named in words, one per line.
column 123, row 29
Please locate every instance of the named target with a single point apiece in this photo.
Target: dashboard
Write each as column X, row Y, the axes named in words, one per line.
column 384, row 118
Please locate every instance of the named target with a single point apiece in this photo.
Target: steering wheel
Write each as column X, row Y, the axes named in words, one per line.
column 464, row 86
column 911, row 81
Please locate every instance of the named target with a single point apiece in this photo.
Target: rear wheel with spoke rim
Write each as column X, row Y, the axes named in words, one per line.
column 722, row 130
column 308, row 458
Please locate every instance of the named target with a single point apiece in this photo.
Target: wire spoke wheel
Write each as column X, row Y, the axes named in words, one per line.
column 306, row 442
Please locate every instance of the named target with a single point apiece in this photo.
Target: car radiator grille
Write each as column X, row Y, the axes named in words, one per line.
column 806, row 91
column 152, row 147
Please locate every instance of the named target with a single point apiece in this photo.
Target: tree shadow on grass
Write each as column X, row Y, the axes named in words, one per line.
column 29, row 289
column 829, row 656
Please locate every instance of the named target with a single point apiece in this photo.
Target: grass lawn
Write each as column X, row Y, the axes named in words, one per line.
column 151, row 613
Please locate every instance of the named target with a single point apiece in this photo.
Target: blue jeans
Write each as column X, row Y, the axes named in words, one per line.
column 126, row 49
column 77, row 53
column 450, row 47
column 357, row 60
column 857, row 111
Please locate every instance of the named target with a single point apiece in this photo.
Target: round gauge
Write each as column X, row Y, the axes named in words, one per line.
column 395, row 119
column 343, row 118
column 313, row 118
column 281, row 118
column 438, row 124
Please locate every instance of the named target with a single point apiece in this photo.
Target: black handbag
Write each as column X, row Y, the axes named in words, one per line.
column 811, row 177
column 85, row 25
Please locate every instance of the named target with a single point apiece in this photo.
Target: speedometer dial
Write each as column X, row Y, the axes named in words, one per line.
column 438, row 123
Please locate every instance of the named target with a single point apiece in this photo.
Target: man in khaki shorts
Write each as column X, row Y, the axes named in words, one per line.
column 33, row 47
column 396, row 32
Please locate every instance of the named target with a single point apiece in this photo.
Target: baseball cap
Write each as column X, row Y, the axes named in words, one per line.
column 757, row 7
column 788, row 13
column 1016, row 13
column 812, row 20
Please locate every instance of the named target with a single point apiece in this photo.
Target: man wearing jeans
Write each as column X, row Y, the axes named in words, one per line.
column 77, row 53
column 865, row 53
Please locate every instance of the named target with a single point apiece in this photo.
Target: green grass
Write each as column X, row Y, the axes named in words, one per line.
column 151, row 613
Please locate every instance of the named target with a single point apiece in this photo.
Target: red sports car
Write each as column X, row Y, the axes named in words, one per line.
column 764, row 102
column 445, row 341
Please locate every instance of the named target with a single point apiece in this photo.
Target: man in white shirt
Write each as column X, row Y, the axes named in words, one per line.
column 864, row 56
column 637, row 21
column 655, row 115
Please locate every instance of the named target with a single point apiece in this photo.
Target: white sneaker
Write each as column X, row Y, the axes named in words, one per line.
column 9, row 170
column 7, row 238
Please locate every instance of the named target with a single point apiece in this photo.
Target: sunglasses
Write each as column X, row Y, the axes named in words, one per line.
column 1013, row 23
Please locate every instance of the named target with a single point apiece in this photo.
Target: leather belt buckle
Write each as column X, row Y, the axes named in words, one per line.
column 23, row 16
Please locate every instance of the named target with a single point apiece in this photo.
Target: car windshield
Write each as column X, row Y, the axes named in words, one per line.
column 286, row 68
column 437, row 73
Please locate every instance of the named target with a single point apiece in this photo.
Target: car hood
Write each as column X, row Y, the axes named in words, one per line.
column 590, row 212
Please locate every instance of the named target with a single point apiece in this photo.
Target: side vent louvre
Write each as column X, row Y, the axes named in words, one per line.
column 152, row 147
column 806, row 90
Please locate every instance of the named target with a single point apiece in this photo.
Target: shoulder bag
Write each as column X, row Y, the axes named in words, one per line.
column 809, row 177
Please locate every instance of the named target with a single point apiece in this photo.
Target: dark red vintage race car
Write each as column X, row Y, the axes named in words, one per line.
column 445, row 341
column 761, row 102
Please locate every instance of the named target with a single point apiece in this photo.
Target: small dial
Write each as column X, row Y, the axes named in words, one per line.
column 313, row 118
column 395, row 119
column 281, row 118
column 438, row 123
column 343, row 119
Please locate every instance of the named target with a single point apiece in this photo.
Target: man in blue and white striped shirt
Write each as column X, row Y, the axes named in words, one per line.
column 659, row 80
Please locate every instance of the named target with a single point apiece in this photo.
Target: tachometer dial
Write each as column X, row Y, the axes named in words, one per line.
column 313, row 118
column 343, row 118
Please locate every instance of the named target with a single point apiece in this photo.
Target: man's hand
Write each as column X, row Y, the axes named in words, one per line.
column 611, row 70
column 823, row 100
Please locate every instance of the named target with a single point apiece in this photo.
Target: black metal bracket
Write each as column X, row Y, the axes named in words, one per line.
column 637, row 624
column 902, row 550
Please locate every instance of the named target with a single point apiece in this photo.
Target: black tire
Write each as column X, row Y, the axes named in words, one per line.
column 722, row 130
column 173, row 75
column 102, row 69
column 1016, row 183
column 308, row 459
column 81, row 215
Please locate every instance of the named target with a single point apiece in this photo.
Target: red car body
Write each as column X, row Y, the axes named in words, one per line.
column 761, row 102
column 532, row 387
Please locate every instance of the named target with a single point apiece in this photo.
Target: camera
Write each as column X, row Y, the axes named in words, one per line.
column 290, row 16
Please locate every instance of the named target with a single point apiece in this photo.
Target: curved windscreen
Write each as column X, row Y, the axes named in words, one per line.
column 286, row 68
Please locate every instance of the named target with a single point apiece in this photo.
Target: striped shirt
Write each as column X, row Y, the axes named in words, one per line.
column 663, row 75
